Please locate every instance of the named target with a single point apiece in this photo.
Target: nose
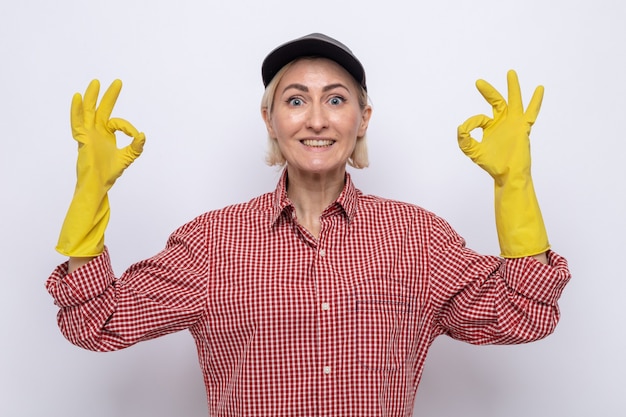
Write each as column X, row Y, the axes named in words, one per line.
column 317, row 119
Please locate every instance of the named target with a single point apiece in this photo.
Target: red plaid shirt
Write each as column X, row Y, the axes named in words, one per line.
column 289, row 325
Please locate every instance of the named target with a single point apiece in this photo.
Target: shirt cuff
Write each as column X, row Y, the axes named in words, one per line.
column 85, row 283
column 534, row 280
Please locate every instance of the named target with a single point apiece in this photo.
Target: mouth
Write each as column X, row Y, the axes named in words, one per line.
column 317, row 143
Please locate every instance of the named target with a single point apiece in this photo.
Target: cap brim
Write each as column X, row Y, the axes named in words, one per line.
column 315, row 44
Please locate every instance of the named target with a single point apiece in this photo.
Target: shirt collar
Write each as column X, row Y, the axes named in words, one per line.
column 346, row 202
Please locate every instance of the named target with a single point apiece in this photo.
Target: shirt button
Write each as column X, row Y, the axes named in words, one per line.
column 327, row 370
column 322, row 253
column 325, row 306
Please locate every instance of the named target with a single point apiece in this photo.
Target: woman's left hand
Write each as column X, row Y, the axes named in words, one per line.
column 505, row 147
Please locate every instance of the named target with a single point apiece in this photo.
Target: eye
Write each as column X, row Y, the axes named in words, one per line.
column 294, row 101
column 336, row 100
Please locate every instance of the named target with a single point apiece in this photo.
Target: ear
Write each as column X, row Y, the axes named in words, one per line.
column 265, row 113
column 365, row 120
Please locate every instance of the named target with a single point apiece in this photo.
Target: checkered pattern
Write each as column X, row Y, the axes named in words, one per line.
column 289, row 325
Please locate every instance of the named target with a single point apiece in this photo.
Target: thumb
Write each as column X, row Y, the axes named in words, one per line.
column 467, row 143
column 137, row 144
column 139, row 138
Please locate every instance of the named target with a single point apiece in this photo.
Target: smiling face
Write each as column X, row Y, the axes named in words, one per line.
column 316, row 117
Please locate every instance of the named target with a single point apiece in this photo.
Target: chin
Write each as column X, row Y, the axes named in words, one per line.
column 326, row 169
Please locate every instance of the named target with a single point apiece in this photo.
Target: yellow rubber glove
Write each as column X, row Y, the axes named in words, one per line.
column 99, row 164
column 504, row 152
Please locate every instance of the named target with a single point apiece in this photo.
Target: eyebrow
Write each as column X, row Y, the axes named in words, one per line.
column 305, row 89
column 297, row 86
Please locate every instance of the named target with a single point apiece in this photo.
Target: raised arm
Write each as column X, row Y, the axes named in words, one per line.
column 504, row 152
column 99, row 164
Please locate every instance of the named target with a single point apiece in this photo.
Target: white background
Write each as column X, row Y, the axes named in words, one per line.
column 192, row 82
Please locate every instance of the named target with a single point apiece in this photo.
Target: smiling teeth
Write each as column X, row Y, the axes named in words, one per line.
column 319, row 143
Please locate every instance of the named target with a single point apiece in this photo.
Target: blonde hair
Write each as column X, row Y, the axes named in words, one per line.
column 359, row 158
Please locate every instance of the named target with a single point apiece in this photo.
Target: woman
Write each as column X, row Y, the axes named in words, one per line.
column 314, row 298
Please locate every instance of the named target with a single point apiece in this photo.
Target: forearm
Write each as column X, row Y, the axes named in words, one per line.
column 82, row 233
column 542, row 257
column 101, row 312
column 75, row 263
column 521, row 230
column 491, row 300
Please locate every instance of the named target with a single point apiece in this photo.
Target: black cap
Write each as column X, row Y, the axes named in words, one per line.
column 315, row 44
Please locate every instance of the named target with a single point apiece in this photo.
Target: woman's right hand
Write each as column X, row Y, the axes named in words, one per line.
column 99, row 164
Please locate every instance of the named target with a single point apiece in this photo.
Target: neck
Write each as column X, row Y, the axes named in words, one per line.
column 311, row 194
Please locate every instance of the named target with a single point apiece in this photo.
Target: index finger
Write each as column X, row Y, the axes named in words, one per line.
column 103, row 113
column 492, row 96
column 123, row 125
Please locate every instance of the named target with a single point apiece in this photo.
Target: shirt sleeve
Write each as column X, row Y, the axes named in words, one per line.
column 491, row 300
column 154, row 297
